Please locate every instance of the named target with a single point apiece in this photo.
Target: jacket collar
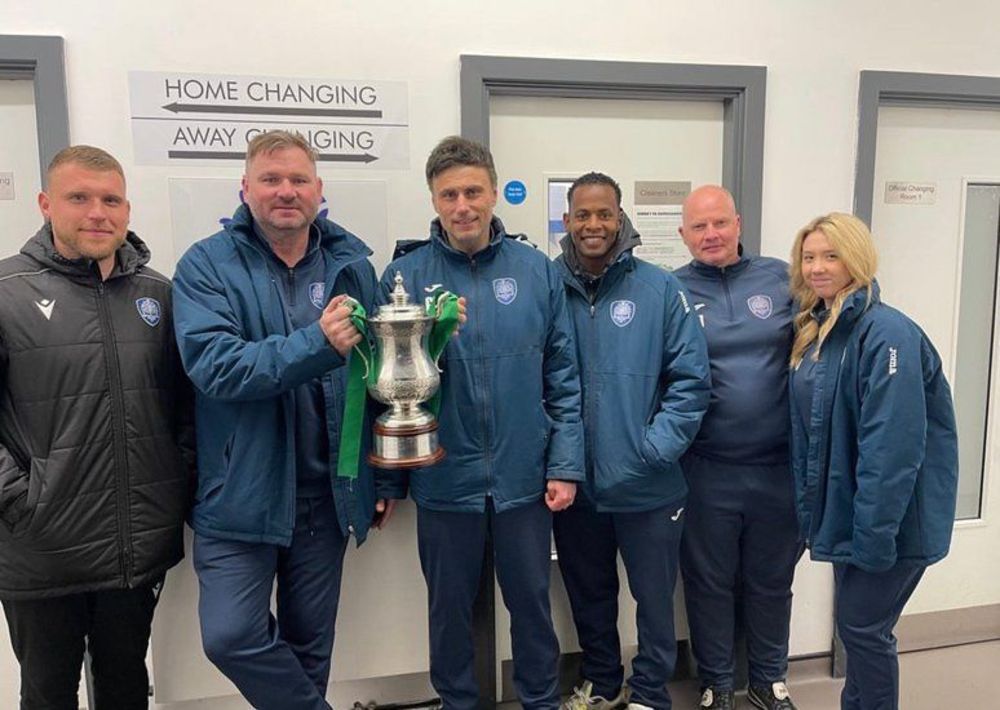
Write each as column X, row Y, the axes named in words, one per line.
column 333, row 238
column 854, row 305
column 715, row 272
column 130, row 256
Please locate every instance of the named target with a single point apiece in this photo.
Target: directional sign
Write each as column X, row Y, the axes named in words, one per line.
column 203, row 119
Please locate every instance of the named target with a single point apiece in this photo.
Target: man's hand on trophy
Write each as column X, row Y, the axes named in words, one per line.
column 384, row 508
column 337, row 326
column 462, row 317
column 559, row 495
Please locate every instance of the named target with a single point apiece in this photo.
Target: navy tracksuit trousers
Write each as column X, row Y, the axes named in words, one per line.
column 283, row 663
column 740, row 546
column 868, row 606
column 649, row 542
column 451, row 546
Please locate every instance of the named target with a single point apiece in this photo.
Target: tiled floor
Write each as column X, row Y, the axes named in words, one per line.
column 943, row 679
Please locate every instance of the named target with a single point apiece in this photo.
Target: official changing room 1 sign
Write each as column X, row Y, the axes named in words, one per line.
column 205, row 119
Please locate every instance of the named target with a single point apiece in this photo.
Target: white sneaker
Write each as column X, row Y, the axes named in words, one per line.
column 584, row 699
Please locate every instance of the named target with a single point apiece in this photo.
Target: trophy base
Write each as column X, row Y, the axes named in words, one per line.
column 405, row 447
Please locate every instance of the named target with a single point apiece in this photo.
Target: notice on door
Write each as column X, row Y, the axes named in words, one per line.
column 657, row 217
column 6, row 186
column 208, row 119
column 558, row 189
column 910, row 193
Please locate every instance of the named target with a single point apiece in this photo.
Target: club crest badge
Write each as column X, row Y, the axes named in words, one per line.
column 316, row 293
column 761, row 306
column 622, row 313
column 505, row 290
column 149, row 310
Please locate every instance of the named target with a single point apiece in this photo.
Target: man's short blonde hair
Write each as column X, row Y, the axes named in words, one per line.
column 267, row 143
column 86, row 156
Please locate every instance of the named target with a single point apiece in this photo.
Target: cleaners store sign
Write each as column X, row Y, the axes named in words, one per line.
column 202, row 119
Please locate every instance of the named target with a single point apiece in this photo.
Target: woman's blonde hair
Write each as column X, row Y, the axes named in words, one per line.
column 851, row 240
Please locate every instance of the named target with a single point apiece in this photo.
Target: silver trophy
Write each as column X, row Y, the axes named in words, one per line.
column 405, row 435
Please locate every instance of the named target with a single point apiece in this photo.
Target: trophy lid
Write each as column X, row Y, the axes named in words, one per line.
column 400, row 308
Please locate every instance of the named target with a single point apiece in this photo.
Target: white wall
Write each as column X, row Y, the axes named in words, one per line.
column 813, row 51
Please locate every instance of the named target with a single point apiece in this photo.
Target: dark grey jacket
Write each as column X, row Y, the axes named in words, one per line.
column 93, row 480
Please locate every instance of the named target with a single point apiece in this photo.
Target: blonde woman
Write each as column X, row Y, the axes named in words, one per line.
column 874, row 447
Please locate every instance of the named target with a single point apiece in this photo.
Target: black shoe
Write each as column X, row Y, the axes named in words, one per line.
column 774, row 698
column 717, row 699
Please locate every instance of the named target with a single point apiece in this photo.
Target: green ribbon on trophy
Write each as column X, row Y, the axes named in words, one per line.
column 442, row 306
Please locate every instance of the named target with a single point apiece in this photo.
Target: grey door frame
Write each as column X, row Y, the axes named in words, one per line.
column 886, row 88
column 741, row 89
column 40, row 59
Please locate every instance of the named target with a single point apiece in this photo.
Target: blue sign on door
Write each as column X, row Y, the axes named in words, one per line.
column 515, row 192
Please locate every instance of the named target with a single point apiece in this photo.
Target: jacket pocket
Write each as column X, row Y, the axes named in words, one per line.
column 36, row 483
column 209, row 488
column 649, row 453
column 210, row 483
column 227, row 454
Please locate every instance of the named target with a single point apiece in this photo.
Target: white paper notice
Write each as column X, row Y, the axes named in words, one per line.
column 558, row 188
column 657, row 216
column 6, row 186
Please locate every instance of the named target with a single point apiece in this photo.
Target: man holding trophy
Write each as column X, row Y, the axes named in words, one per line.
column 509, row 422
column 263, row 324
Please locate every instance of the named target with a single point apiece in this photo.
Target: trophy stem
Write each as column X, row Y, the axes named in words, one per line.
column 405, row 410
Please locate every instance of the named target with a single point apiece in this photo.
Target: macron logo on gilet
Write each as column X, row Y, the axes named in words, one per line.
column 46, row 306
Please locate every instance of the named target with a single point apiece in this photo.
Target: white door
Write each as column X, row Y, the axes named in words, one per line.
column 538, row 141
column 934, row 218
column 20, row 178
column 20, row 182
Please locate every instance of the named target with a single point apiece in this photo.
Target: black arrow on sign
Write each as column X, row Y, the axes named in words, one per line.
column 274, row 111
column 234, row 155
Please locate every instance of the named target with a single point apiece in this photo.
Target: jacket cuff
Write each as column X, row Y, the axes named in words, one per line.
column 570, row 476
column 321, row 346
column 391, row 484
column 873, row 564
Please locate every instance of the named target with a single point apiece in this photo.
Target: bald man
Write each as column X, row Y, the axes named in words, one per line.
column 740, row 543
